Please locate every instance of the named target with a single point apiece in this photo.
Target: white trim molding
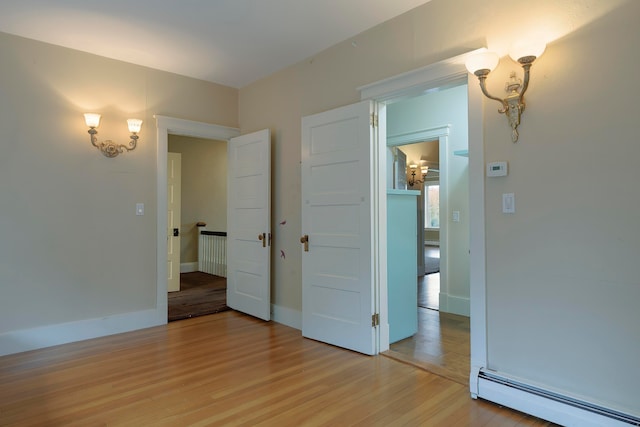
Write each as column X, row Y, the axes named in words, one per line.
column 286, row 316
column 188, row 267
column 63, row 333
column 419, row 136
column 194, row 129
column 455, row 305
column 437, row 76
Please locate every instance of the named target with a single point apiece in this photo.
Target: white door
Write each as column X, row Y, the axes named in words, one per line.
column 174, row 161
column 337, row 258
column 248, row 224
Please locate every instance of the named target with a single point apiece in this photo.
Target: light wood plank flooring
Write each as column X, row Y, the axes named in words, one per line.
column 441, row 345
column 229, row 369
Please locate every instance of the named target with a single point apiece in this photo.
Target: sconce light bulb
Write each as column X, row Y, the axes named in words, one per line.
column 92, row 119
column 527, row 50
column 134, row 125
column 482, row 61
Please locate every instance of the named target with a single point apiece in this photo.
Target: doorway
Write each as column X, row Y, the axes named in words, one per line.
column 423, row 174
column 203, row 207
column 442, row 342
column 172, row 126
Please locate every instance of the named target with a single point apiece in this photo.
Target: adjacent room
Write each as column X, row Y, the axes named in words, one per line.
column 417, row 168
column 199, row 228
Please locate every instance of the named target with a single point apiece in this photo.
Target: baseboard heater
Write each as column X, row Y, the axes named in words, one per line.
column 212, row 252
column 549, row 405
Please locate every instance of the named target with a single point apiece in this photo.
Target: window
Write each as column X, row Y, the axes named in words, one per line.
column 432, row 204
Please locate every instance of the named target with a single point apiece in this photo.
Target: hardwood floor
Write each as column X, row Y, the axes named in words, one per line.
column 229, row 369
column 200, row 294
column 441, row 345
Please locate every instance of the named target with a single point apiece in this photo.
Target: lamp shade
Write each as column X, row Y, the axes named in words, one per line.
column 424, row 169
column 92, row 119
column 482, row 61
column 134, row 125
column 525, row 48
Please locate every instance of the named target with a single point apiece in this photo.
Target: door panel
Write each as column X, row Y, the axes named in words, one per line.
column 337, row 270
column 174, row 185
column 248, row 224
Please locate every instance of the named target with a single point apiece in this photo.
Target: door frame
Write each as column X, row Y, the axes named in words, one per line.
column 166, row 126
column 447, row 73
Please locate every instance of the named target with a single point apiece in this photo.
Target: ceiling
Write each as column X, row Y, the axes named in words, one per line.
column 231, row 42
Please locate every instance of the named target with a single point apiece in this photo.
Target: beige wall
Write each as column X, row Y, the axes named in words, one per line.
column 571, row 249
column 204, row 189
column 71, row 246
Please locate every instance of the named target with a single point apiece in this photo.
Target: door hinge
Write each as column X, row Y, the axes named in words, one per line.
column 375, row 320
column 373, row 120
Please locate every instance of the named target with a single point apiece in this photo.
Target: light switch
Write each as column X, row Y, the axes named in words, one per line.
column 508, row 203
column 139, row 209
column 456, row 216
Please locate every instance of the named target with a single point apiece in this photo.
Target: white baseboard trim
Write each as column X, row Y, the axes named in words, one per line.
column 286, row 316
column 188, row 267
column 384, row 337
column 455, row 305
column 63, row 333
column 432, row 242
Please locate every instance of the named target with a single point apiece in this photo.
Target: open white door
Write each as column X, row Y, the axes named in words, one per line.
column 337, row 259
column 174, row 179
column 248, row 224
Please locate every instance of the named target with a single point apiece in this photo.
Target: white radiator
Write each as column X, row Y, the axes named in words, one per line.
column 212, row 252
column 548, row 405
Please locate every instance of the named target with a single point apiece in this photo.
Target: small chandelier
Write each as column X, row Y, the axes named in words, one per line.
column 413, row 181
column 108, row 147
column 513, row 105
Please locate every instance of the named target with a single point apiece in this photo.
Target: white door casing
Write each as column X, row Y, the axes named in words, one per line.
column 248, row 224
column 337, row 195
column 174, row 162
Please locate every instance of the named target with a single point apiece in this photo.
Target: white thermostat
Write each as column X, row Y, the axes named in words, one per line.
column 497, row 169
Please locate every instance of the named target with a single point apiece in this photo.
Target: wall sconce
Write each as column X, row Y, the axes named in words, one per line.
column 513, row 105
column 108, row 147
column 413, row 180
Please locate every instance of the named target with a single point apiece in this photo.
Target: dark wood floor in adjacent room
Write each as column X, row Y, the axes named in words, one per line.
column 200, row 294
column 229, row 369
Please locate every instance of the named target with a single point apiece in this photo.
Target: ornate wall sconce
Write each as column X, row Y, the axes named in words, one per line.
column 513, row 105
column 108, row 147
column 413, row 180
